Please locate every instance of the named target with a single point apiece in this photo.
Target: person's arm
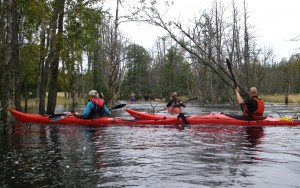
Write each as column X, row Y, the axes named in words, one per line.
column 181, row 104
column 169, row 104
column 87, row 109
column 239, row 97
column 106, row 110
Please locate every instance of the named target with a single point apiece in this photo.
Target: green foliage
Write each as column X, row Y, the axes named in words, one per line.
column 83, row 29
column 136, row 79
column 176, row 73
column 29, row 67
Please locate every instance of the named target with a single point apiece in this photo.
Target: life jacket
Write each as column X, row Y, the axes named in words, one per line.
column 97, row 110
column 174, row 110
column 257, row 114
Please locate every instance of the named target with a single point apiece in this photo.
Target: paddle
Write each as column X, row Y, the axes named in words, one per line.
column 233, row 79
column 184, row 120
column 190, row 99
column 232, row 75
column 182, row 102
column 56, row 117
column 117, row 106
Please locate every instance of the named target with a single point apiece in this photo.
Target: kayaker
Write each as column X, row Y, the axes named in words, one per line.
column 174, row 105
column 131, row 99
column 253, row 106
column 95, row 107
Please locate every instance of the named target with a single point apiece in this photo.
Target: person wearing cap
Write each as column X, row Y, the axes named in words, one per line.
column 95, row 107
column 174, row 105
column 253, row 106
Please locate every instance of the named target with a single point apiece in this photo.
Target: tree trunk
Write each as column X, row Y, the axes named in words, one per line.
column 56, row 47
column 5, row 82
column 42, row 79
column 16, row 56
column 26, row 95
column 73, row 82
column 113, row 72
column 247, row 49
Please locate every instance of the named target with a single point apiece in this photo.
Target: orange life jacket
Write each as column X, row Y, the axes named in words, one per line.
column 174, row 110
column 257, row 113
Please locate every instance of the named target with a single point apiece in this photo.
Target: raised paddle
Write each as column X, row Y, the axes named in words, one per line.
column 233, row 79
column 195, row 98
column 232, row 75
column 56, row 117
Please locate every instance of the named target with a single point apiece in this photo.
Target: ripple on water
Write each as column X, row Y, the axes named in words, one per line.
column 116, row 156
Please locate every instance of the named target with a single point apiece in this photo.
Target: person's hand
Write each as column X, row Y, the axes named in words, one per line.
column 237, row 90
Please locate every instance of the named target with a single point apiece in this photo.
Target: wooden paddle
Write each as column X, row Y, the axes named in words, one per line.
column 182, row 102
column 56, row 117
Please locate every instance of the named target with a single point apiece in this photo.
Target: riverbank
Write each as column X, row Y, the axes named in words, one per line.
column 280, row 98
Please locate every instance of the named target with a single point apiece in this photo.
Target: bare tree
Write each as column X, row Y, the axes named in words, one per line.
column 188, row 41
column 115, row 46
column 113, row 55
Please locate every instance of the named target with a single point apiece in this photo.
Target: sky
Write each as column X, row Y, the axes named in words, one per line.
column 275, row 22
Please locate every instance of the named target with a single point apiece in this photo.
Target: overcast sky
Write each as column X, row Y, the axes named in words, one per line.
column 275, row 22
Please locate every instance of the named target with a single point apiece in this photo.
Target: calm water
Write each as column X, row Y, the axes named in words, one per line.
column 124, row 156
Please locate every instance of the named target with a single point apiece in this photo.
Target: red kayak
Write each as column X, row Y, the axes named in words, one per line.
column 209, row 119
column 146, row 116
column 73, row 119
column 217, row 119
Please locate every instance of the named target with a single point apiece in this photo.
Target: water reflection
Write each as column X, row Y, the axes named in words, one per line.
column 124, row 156
column 226, row 152
column 254, row 135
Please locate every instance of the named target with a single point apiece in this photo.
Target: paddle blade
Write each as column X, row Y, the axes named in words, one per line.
column 184, row 120
column 117, row 106
column 191, row 99
column 228, row 64
column 56, row 117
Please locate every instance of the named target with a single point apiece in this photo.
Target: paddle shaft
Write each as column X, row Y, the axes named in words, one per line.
column 233, row 79
column 190, row 99
column 230, row 70
column 182, row 102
